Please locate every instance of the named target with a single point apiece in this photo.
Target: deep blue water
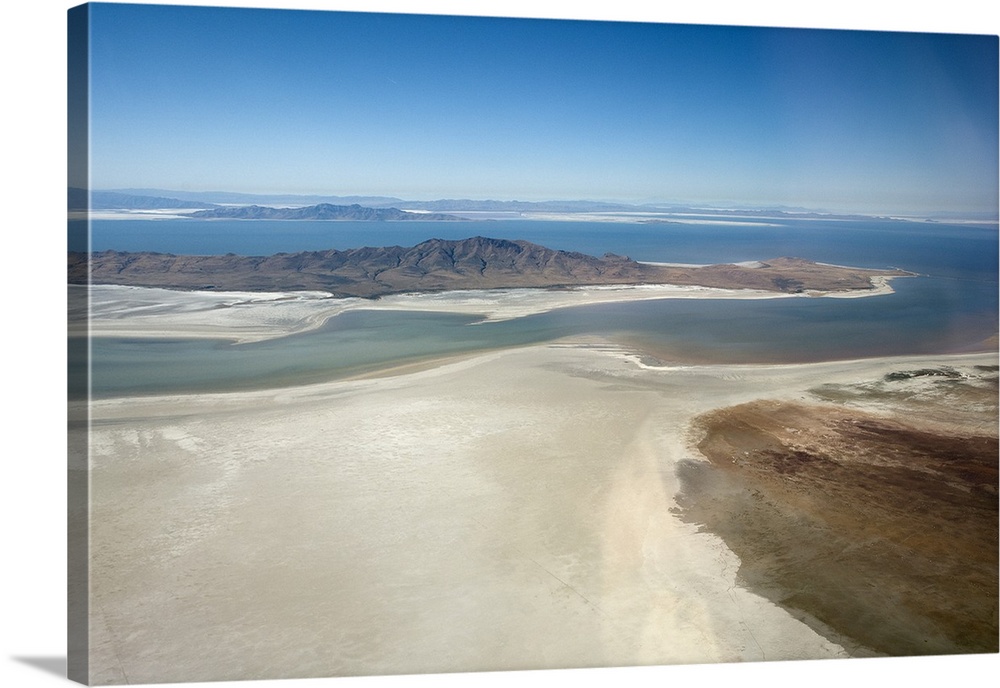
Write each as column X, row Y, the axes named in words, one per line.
column 921, row 247
column 951, row 307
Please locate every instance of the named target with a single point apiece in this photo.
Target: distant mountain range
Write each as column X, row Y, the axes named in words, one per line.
column 212, row 198
column 236, row 198
column 438, row 265
column 162, row 199
column 115, row 200
column 260, row 206
column 322, row 211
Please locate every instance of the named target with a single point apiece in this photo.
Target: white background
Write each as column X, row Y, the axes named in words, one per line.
column 33, row 560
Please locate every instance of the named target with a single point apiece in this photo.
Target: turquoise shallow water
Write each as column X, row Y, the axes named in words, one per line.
column 951, row 307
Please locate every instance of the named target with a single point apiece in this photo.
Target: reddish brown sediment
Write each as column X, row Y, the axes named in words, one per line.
column 879, row 528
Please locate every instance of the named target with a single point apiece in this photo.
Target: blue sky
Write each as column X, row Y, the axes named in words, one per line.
column 201, row 98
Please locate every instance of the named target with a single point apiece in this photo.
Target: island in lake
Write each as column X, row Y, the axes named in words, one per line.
column 439, row 265
column 321, row 211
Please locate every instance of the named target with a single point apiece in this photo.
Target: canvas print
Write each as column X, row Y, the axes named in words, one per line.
column 410, row 343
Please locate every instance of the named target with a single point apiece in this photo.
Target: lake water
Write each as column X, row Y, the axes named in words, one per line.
column 951, row 307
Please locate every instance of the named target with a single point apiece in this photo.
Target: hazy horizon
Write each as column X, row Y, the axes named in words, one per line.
column 654, row 204
column 424, row 107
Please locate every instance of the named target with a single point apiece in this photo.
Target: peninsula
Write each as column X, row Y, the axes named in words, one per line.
column 441, row 265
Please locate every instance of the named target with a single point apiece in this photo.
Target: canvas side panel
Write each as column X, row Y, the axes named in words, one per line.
column 78, row 350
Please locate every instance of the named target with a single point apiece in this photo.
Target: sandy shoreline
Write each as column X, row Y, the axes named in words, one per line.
column 121, row 311
column 509, row 510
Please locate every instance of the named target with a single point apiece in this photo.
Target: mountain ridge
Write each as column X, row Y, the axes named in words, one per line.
column 442, row 265
column 321, row 211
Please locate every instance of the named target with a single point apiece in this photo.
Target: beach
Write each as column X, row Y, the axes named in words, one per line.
column 521, row 508
column 242, row 317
